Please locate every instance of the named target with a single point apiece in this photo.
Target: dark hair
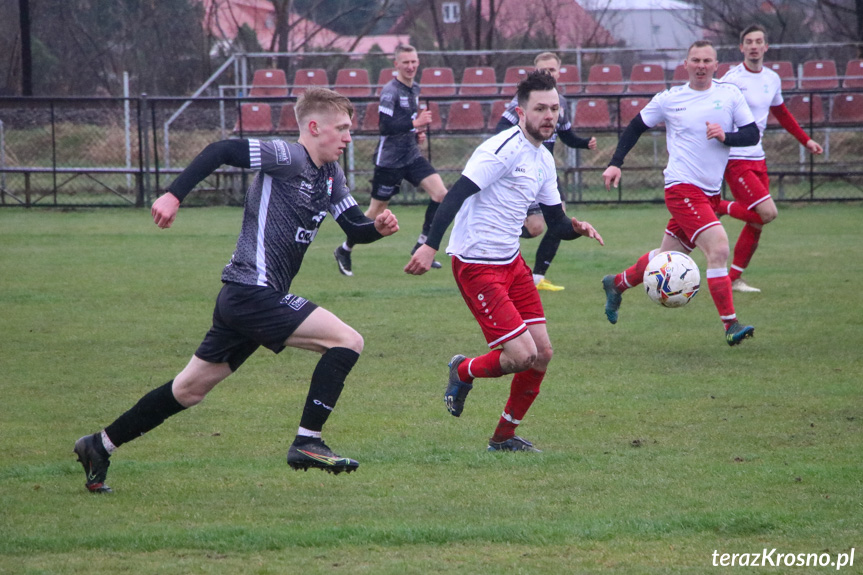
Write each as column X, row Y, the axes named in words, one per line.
column 751, row 29
column 536, row 81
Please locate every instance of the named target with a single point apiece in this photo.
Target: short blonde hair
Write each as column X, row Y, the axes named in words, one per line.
column 546, row 56
column 401, row 48
column 321, row 101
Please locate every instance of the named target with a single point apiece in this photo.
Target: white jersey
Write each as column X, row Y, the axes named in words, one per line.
column 692, row 158
column 762, row 90
column 511, row 173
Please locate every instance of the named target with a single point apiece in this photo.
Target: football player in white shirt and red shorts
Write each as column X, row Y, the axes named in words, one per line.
column 503, row 177
column 746, row 173
column 699, row 117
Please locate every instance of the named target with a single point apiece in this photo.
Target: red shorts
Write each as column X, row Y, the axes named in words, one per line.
column 502, row 298
column 748, row 181
column 692, row 212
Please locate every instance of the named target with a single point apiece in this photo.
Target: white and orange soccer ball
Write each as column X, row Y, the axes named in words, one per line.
column 671, row 279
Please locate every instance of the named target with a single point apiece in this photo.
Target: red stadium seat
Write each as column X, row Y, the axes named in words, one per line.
column 847, row 109
column 437, row 82
column 819, row 75
column 371, row 119
column 306, row 77
column 465, row 116
column 269, row 82
column 604, row 79
column 647, row 79
column 629, row 107
column 681, row 76
column 799, row 106
column 512, row 76
column 722, row 69
column 853, row 74
column 592, row 114
column 353, row 83
column 480, row 81
column 254, row 118
column 785, row 70
column 497, row 109
column 569, row 81
column 384, row 78
column 287, row 120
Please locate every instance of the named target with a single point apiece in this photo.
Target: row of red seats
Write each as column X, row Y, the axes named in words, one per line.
column 468, row 116
column 481, row 81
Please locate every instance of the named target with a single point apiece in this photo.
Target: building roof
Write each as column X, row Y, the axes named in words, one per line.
column 636, row 5
column 564, row 20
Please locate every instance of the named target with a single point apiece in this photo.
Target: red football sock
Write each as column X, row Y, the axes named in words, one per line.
column 487, row 365
column 746, row 245
column 719, row 285
column 633, row 275
column 739, row 212
column 522, row 392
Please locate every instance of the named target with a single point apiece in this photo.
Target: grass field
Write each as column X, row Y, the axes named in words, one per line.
column 662, row 445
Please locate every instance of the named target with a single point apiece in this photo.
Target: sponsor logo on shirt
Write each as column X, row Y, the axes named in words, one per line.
column 521, row 170
column 306, row 187
column 404, row 102
column 283, row 154
column 294, row 302
column 683, row 109
column 305, row 236
column 386, row 97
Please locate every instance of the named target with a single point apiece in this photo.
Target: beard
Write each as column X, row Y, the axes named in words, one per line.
column 535, row 131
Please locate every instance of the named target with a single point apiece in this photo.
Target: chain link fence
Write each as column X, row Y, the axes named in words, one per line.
column 77, row 152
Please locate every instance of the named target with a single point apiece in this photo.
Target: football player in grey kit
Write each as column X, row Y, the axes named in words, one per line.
column 403, row 129
column 296, row 185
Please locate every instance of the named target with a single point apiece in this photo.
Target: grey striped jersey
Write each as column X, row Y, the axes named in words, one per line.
column 284, row 207
column 401, row 105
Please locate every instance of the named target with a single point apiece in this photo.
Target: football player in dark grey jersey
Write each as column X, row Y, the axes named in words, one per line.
column 534, row 224
column 403, row 130
column 296, row 186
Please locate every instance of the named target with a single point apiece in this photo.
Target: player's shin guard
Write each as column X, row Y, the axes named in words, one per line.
column 633, row 275
column 150, row 411
column 744, row 249
column 328, row 380
column 523, row 391
column 545, row 253
column 487, row 365
column 719, row 285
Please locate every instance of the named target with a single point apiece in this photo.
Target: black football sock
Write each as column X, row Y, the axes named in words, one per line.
column 150, row 411
column 328, row 380
column 545, row 253
column 431, row 210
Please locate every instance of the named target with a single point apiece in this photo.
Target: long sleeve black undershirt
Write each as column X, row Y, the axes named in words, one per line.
column 558, row 223
column 389, row 126
column 747, row 135
column 569, row 138
column 358, row 228
column 225, row 152
column 628, row 139
column 449, row 207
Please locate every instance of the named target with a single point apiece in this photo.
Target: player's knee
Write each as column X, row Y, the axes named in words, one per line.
column 525, row 360
column 768, row 215
column 351, row 339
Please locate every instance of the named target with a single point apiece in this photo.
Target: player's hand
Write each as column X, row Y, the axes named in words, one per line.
column 611, row 177
column 164, row 210
column 715, row 131
column 386, row 223
column 586, row 230
column 421, row 261
column 814, row 147
column 591, row 145
column 421, row 138
column 424, row 118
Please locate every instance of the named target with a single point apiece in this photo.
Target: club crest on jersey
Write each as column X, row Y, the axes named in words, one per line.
column 717, row 104
column 329, row 187
column 283, row 154
column 540, row 175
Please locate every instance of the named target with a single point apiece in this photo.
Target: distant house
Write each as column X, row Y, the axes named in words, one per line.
column 223, row 19
column 648, row 25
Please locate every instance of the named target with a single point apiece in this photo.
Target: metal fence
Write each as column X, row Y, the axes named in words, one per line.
column 68, row 152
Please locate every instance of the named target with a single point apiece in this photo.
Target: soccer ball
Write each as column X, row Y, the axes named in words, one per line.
column 671, row 279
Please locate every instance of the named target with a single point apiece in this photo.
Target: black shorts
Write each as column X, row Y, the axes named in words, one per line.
column 386, row 181
column 247, row 317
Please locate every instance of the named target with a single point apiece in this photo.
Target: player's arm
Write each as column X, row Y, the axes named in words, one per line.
column 421, row 261
column 627, row 141
column 562, row 226
column 747, row 135
column 226, row 152
column 786, row 120
column 362, row 230
column 572, row 140
column 503, row 124
column 390, row 125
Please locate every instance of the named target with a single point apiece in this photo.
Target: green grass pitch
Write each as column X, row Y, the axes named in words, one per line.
column 661, row 445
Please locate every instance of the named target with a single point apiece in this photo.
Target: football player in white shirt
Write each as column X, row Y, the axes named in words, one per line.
column 746, row 173
column 503, row 177
column 699, row 117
